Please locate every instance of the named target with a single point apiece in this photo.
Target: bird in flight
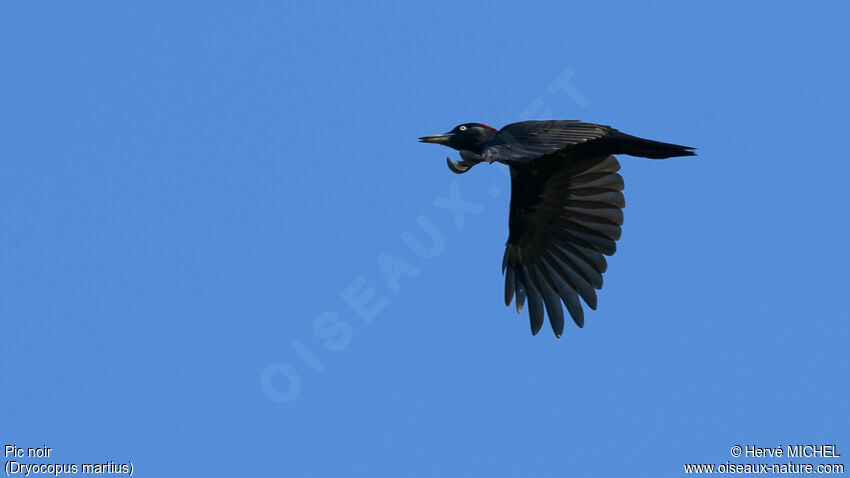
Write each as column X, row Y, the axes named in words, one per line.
column 566, row 206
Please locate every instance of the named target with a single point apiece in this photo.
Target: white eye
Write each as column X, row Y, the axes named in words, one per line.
column 463, row 128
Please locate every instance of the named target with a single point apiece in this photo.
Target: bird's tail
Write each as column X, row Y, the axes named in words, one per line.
column 647, row 148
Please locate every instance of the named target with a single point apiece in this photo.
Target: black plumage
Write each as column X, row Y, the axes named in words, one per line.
column 566, row 206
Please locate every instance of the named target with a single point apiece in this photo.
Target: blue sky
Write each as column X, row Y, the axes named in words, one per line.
column 195, row 199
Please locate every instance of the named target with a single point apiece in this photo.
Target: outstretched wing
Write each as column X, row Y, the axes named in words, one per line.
column 565, row 218
column 532, row 139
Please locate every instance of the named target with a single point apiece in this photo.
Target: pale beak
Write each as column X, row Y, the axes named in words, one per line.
column 437, row 138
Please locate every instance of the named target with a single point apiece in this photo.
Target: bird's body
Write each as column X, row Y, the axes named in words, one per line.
column 566, row 206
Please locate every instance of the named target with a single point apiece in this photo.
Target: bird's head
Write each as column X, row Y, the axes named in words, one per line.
column 467, row 136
